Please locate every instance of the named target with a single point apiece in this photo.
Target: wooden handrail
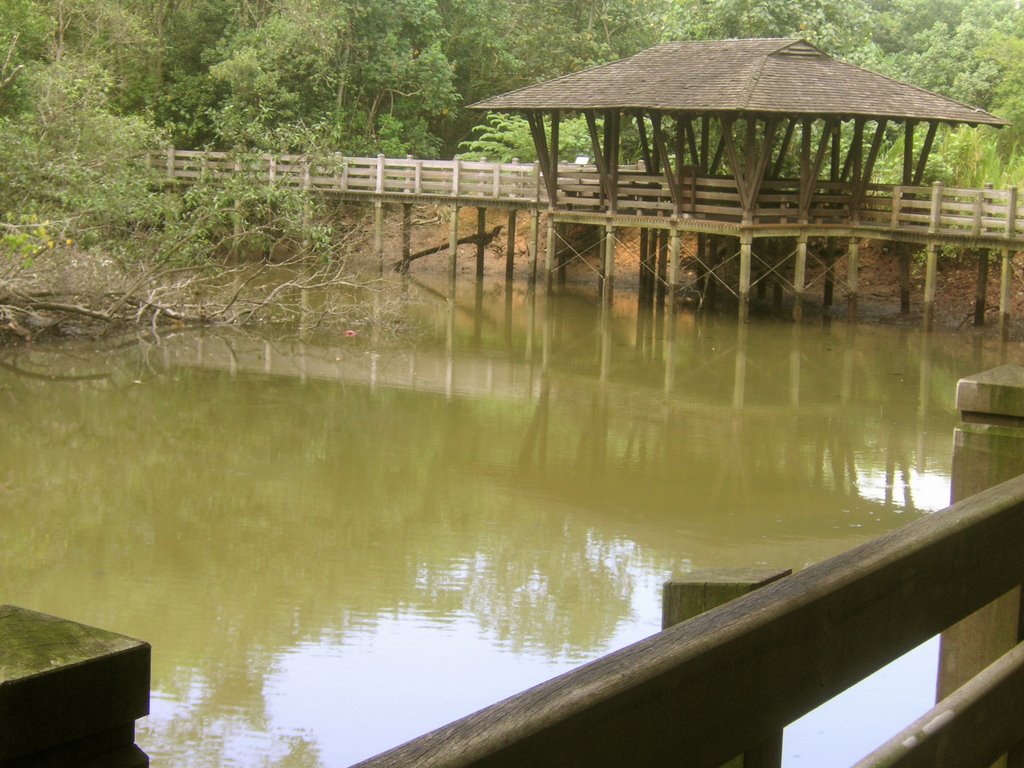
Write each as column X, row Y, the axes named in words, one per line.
column 929, row 211
column 701, row 692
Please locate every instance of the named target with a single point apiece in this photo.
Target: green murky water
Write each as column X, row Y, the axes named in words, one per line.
column 335, row 545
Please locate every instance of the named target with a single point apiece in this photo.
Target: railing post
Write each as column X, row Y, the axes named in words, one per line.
column 897, row 204
column 170, row 162
column 456, row 172
column 701, row 591
column 271, row 168
column 988, row 448
column 936, row 213
column 1011, row 212
column 379, row 185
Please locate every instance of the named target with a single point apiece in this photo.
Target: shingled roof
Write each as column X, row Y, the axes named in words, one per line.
column 761, row 76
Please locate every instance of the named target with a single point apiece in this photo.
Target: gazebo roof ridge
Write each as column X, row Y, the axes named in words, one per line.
column 783, row 76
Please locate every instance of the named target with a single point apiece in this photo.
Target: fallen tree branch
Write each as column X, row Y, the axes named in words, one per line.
column 486, row 240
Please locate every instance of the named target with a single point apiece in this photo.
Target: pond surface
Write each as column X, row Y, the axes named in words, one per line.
column 336, row 544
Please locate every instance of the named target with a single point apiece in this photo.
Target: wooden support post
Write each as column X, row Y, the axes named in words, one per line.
column 800, row 277
column 378, row 232
column 931, row 267
column 852, row 266
column 644, row 282
column 830, row 271
column 981, row 291
column 905, row 254
column 673, row 270
column 661, row 244
column 549, row 254
column 746, row 252
column 510, row 246
column 563, row 252
column 1005, row 293
column 453, row 250
column 609, row 265
column 534, row 247
column 988, row 449
column 703, row 591
column 481, row 231
column 406, row 236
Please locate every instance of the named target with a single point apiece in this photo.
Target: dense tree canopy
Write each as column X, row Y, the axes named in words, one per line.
column 86, row 83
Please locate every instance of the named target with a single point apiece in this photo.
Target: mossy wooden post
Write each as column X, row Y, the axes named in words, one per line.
column 703, row 590
column 988, row 449
column 69, row 694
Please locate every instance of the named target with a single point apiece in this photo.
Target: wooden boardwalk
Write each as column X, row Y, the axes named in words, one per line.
column 967, row 217
column 985, row 220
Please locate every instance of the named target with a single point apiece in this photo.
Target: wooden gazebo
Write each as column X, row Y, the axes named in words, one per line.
column 754, row 139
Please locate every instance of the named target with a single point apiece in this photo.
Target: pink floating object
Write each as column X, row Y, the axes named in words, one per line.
column 350, row 333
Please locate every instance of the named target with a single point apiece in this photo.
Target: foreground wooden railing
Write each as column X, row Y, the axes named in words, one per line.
column 944, row 212
column 716, row 686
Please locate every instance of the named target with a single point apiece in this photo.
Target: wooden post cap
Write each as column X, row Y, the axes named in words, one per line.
column 993, row 397
column 63, row 683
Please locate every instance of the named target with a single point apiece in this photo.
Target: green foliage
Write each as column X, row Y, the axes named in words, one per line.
column 503, row 137
column 24, row 236
column 837, row 26
column 87, row 85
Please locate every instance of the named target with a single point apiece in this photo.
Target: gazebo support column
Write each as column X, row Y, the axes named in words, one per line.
column 673, row 268
column 852, row 254
column 607, row 285
column 534, row 247
column 746, row 252
column 799, row 277
column 549, row 252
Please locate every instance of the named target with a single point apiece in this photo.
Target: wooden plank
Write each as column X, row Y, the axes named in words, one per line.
column 973, row 726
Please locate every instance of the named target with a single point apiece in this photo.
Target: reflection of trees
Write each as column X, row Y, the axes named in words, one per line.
column 313, row 506
column 319, row 506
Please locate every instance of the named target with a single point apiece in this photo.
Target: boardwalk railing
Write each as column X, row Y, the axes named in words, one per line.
column 987, row 214
column 718, row 685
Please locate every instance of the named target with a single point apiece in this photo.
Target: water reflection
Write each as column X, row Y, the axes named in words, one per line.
column 334, row 546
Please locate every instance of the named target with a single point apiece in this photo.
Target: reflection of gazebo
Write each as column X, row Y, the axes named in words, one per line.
column 755, row 138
